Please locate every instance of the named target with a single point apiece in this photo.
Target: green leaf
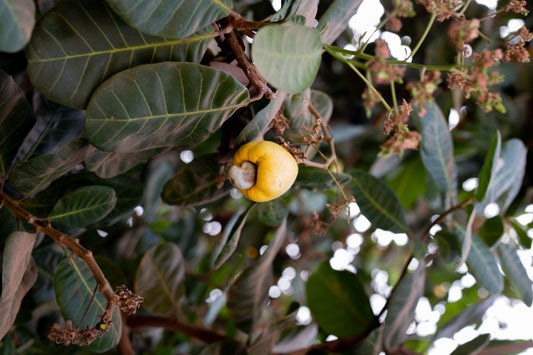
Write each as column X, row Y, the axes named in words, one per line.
column 401, row 308
column 409, row 183
column 257, row 127
column 489, row 168
column 264, row 344
column 508, row 180
column 195, row 183
column 56, row 125
column 225, row 347
column 315, row 178
column 298, row 113
column 74, row 287
column 78, row 44
column 491, row 230
column 272, row 212
column 377, row 202
column 17, row 18
column 84, row 206
column 473, row 346
column 19, row 273
column 523, row 238
column 171, row 18
column 338, row 302
column 230, row 238
column 464, row 317
column 248, row 295
column 515, row 272
column 335, row 20
column 36, row 174
column 482, row 264
column 160, row 279
column 159, row 105
column 436, row 148
column 287, row 56
column 16, row 121
column 109, row 164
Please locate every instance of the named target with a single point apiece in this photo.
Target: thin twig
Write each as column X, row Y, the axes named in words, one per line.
column 256, row 80
column 443, row 216
column 203, row 334
column 63, row 239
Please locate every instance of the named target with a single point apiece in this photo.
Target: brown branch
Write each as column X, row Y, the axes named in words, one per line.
column 256, row 80
column 203, row 334
column 443, row 216
column 124, row 346
column 58, row 334
column 61, row 238
column 334, row 346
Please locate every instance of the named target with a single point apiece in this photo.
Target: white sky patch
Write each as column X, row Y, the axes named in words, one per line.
column 453, row 119
column 383, row 238
column 470, row 184
column 397, row 49
column 491, row 210
column 293, row 250
column 491, row 4
column 186, row 156
column 512, row 26
column 303, row 316
column 366, row 20
column 361, row 224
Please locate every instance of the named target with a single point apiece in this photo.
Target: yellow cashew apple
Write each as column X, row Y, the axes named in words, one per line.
column 263, row 171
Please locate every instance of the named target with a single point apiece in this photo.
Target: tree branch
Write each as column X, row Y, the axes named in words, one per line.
column 205, row 335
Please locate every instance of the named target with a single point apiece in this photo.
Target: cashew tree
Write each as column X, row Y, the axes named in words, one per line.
column 263, row 177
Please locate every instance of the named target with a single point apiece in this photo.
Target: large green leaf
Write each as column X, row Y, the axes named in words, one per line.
column 84, row 206
column 16, row 120
column 508, row 179
column 338, row 302
column 297, row 109
column 436, row 148
column 17, row 18
column 195, row 183
column 257, row 127
column 110, row 164
column 78, row 44
column 336, row 18
column 315, row 178
column 489, row 168
column 473, row 346
column 464, row 317
column 160, row 279
column 19, row 273
column 164, row 104
column 248, row 295
column 482, row 264
column 377, row 202
column 172, row 18
column 515, row 272
column 56, row 125
column 288, row 56
column 402, row 305
column 230, row 239
column 409, row 183
column 272, row 212
column 74, row 287
column 128, row 190
column 36, row 174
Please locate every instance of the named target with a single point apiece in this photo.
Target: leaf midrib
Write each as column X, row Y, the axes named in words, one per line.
column 126, row 49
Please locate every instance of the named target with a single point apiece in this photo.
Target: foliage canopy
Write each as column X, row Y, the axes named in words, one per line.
column 118, row 123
